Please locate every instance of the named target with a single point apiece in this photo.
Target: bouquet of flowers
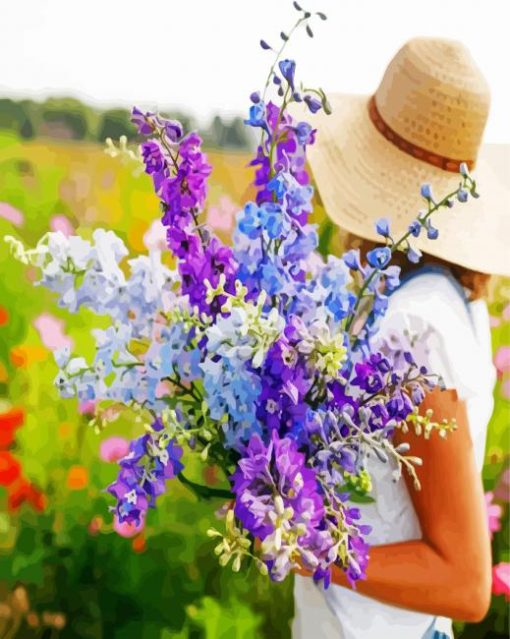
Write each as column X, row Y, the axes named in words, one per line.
column 261, row 357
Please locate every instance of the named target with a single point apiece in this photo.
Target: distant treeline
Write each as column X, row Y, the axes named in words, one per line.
column 69, row 118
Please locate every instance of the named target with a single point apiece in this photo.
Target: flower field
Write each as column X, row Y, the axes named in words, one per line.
column 64, row 570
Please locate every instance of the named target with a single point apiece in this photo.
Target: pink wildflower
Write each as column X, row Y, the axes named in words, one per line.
column 113, row 449
column 501, row 579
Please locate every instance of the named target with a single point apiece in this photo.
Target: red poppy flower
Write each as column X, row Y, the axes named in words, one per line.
column 4, row 316
column 10, row 468
column 23, row 492
column 9, row 422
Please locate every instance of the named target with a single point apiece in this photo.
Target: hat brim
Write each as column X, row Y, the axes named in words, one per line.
column 361, row 177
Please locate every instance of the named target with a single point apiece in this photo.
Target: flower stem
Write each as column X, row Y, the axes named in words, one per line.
column 279, row 53
column 204, row 492
column 394, row 248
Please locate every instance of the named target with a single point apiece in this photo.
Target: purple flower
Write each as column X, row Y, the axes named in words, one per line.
column 288, row 69
column 144, row 472
column 358, row 551
column 132, row 503
column 173, row 130
column 270, row 478
column 399, row 406
column 312, row 103
column 152, row 157
column 369, row 374
column 305, row 133
column 278, row 465
column 144, row 122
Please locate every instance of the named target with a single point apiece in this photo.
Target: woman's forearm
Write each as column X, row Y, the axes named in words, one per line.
column 415, row 576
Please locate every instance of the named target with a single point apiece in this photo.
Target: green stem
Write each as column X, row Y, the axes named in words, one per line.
column 277, row 138
column 279, row 53
column 204, row 492
column 394, row 248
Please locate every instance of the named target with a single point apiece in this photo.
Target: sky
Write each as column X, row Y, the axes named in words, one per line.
column 203, row 55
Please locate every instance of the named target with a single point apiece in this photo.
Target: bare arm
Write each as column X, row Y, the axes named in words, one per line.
column 448, row 572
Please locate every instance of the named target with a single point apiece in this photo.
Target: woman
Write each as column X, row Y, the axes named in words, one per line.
column 430, row 558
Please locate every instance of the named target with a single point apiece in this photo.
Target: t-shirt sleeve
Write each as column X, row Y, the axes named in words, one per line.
column 429, row 317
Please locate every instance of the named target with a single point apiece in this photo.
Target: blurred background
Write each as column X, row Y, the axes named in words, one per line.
column 74, row 70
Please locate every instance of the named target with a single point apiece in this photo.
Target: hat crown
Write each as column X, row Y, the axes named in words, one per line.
column 434, row 96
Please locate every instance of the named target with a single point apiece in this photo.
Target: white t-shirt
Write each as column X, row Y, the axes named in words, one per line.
column 454, row 342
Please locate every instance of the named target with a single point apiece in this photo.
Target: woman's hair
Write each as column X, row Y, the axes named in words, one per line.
column 476, row 283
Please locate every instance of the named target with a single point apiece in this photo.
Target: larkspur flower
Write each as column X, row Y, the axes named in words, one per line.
column 463, row 196
column 312, row 104
column 352, row 259
column 152, row 157
column 382, row 226
column 415, row 228
column 261, row 357
column 413, row 255
column 426, row 192
column 257, row 116
column 305, row 133
column 379, row 257
column 288, row 69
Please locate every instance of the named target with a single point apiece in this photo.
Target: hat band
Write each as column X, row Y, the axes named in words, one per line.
column 418, row 152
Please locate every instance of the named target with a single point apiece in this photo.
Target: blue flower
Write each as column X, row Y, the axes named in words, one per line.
column 273, row 220
column 248, row 221
column 278, row 186
column 287, row 69
column 432, row 232
column 352, row 259
column 413, row 255
column 382, row 226
column 272, row 277
column 313, row 104
column 392, row 277
column 379, row 257
column 257, row 116
column 304, row 133
column 340, row 303
column 188, row 364
column 462, row 195
column 304, row 242
column 415, row 228
column 380, row 304
column 426, row 192
column 299, row 200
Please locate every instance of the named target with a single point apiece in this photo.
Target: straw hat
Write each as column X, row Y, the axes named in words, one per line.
column 427, row 116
